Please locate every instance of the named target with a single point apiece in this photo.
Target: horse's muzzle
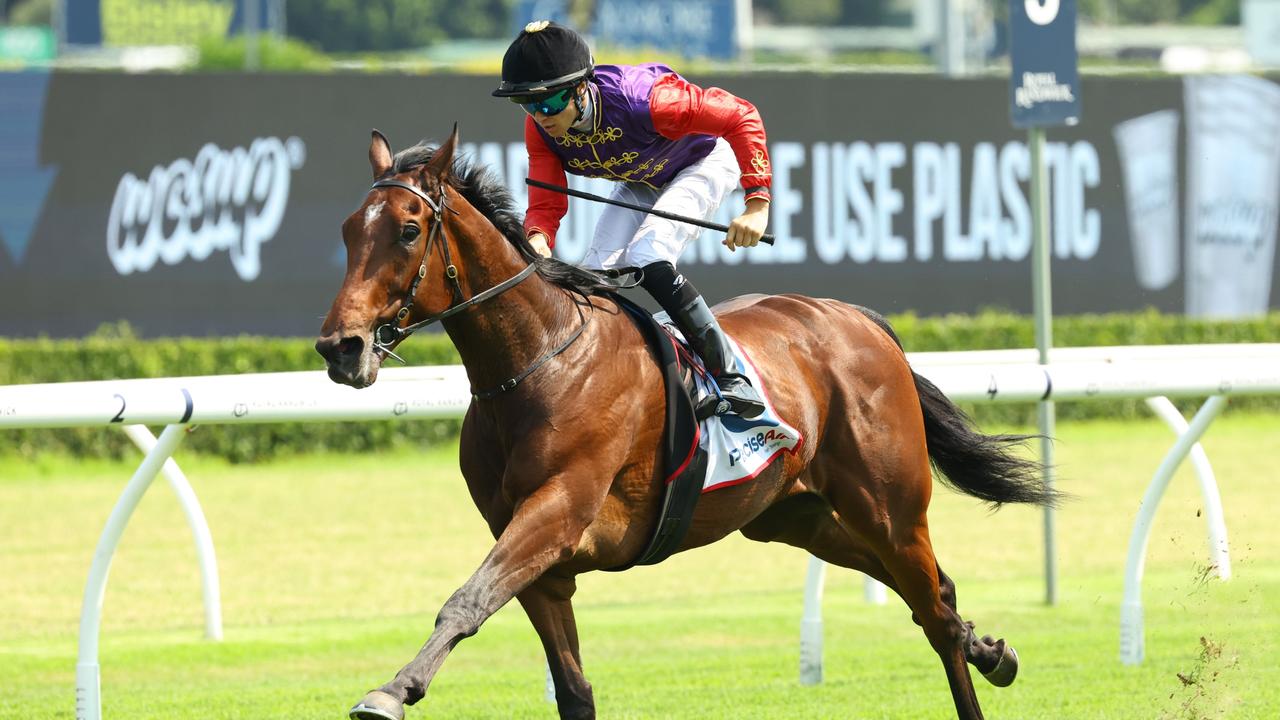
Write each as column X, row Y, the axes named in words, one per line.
column 346, row 359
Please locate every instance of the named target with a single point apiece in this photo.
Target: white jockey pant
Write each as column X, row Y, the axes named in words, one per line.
column 631, row 238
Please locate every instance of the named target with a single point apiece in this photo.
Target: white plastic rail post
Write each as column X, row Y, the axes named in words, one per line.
column 210, row 588
column 1132, row 640
column 1219, row 549
column 88, row 677
column 811, row 624
column 873, row 591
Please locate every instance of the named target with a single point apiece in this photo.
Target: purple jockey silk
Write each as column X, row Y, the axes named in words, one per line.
column 623, row 145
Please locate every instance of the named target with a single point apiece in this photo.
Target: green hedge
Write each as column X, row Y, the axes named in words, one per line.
column 114, row 352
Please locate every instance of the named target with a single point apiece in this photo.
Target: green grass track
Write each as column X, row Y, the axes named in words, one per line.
column 333, row 568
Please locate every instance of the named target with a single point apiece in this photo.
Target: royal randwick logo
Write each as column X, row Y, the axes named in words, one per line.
column 230, row 200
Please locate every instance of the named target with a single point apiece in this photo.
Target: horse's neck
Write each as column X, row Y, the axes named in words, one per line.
column 502, row 336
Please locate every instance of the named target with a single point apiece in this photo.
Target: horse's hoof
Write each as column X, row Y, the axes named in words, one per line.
column 1006, row 670
column 378, row 705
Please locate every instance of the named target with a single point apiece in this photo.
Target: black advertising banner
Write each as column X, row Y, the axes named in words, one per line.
column 212, row 204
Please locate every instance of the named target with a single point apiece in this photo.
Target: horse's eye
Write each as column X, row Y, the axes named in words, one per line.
column 409, row 233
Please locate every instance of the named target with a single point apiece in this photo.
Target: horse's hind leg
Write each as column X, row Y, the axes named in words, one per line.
column 908, row 556
column 995, row 659
column 548, row 603
column 805, row 520
column 881, row 496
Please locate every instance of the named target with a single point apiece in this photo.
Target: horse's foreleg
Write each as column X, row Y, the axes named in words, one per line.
column 548, row 603
column 544, row 530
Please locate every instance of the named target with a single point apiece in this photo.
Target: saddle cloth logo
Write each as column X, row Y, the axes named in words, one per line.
column 738, row 449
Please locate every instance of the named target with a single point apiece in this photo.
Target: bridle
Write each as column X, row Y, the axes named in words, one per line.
column 387, row 334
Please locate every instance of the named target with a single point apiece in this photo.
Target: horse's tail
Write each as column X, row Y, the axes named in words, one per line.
column 984, row 466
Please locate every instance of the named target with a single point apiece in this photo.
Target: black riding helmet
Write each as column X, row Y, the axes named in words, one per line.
column 544, row 57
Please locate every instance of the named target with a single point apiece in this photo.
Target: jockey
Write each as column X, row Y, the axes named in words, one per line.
column 668, row 143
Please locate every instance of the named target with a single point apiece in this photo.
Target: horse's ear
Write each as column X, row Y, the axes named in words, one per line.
column 442, row 158
column 379, row 154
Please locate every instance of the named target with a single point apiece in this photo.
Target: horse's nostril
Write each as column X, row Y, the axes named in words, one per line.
column 334, row 350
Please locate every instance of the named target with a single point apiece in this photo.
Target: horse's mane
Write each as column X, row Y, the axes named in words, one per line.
column 490, row 196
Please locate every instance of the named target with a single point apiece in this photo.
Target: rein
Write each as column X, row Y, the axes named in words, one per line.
column 387, row 334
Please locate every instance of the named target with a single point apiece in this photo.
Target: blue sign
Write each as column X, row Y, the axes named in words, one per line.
column 1044, row 88
column 694, row 28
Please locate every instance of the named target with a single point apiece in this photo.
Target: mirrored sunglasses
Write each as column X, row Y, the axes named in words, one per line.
column 548, row 105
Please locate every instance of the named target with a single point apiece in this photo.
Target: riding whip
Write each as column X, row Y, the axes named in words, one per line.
column 766, row 238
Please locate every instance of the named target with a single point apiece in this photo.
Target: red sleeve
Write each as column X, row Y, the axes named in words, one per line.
column 680, row 108
column 546, row 208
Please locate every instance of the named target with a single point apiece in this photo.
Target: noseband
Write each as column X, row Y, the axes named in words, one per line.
column 387, row 334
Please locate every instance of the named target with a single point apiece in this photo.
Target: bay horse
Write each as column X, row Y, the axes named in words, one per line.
column 559, row 447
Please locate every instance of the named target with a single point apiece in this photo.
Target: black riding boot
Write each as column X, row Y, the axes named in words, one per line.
column 706, row 338
column 686, row 307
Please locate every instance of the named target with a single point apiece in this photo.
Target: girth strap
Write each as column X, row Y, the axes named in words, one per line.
column 684, row 462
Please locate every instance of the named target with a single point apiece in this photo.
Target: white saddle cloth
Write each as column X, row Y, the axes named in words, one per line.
column 738, row 449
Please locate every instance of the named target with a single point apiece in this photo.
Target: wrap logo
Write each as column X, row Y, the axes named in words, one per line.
column 229, row 200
